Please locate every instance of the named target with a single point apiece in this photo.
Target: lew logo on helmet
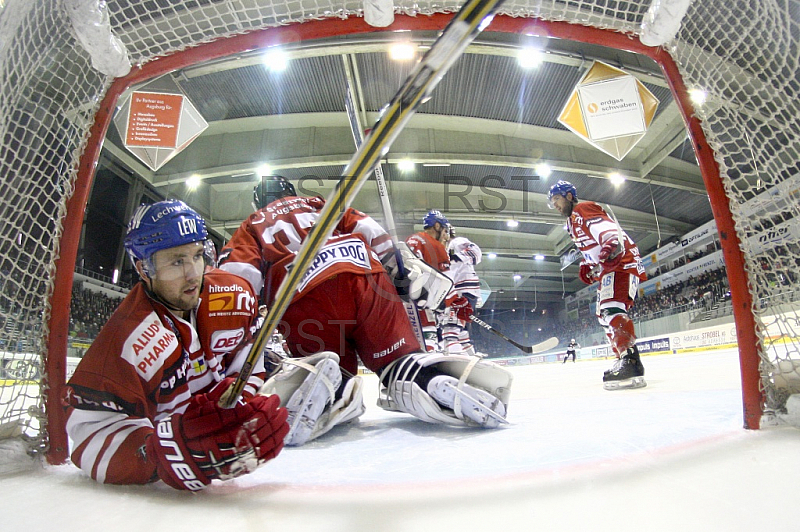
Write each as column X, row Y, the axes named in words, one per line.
column 187, row 226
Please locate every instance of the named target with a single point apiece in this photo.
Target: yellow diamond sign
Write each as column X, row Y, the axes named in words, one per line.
column 609, row 109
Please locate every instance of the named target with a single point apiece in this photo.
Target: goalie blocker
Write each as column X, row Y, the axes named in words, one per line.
column 420, row 283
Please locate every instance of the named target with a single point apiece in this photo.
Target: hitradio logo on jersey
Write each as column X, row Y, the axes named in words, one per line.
column 229, row 300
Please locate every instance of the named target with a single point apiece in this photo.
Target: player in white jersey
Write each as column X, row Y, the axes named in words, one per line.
column 464, row 256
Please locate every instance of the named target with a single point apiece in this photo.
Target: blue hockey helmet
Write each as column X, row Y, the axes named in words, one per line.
column 269, row 189
column 162, row 225
column 432, row 217
column 561, row 188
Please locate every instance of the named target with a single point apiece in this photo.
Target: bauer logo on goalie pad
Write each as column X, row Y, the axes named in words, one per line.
column 148, row 346
column 352, row 251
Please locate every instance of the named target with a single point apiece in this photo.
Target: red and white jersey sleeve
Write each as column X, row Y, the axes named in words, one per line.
column 145, row 364
column 267, row 241
column 430, row 250
column 590, row 226
column 462, row 267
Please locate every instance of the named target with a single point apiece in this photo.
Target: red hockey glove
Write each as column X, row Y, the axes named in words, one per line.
column 462, row 308
column 611, row 254
column 587, row 274
column 208, row 442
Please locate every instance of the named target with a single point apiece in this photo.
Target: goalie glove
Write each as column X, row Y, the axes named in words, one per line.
column 208, row 442
column 420, row 282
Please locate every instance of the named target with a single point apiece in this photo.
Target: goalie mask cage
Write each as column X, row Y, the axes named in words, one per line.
column 55, row 109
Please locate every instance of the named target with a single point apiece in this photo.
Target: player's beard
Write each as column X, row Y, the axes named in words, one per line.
column 180, row 296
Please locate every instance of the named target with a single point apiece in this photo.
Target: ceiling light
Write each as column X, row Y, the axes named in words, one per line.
column 264, row 170
column 512, row 223
column 517, row 277
column 402, row 51
column 538, row 256
column 492, row 255
column 529, row 57
column 276, row 60
column 405, row 165
column 543, row 170
column 698, row 96
column 193, row 182
column 616, row 178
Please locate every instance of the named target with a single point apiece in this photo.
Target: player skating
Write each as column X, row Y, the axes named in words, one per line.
column 142, row 403
column 345, row 308
column 610, row 257
column 571, row 350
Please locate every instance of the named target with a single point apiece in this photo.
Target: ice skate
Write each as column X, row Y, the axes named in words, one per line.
column 628, row 372
column 480, row 406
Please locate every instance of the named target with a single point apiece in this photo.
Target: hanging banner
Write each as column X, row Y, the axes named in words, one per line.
column 153, row 120
column 158, row 126
column 609, row 109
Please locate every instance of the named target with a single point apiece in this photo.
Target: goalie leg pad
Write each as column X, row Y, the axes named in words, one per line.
column 347, row 408
column 400, row 391
column 306, row 387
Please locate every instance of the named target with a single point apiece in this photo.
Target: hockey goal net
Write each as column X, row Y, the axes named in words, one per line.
column 55, row 108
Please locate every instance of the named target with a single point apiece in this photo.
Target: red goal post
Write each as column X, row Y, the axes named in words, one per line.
column 688, row 61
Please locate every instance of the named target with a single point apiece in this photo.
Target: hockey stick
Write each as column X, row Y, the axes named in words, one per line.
column 355, row 128
column 473, row 17
column 550, row 343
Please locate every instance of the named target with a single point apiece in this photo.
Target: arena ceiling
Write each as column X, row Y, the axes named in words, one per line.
column 477, row 145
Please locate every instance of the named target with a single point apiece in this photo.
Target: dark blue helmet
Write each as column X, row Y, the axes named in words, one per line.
column 270, row 188
column 163, row 225
column 561, row 189
column 432, row 217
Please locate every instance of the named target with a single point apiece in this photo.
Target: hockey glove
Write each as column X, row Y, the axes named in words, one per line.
column 611, row 253
column 462, row 308
column 587, row 273
column 208, row 442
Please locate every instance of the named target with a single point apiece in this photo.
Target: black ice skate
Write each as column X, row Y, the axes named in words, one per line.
column 628, row 372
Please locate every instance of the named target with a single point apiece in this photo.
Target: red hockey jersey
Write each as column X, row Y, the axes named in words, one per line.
column 430, row 250
column 589, row 226
column 146, row 363
column 267, row 241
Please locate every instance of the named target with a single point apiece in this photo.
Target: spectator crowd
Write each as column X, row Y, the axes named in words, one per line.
column 89, row 311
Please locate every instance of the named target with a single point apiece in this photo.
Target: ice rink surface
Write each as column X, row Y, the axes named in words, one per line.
column 671, row 456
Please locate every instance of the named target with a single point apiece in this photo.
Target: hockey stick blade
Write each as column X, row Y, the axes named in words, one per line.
column 471, row 19
column 548, row 344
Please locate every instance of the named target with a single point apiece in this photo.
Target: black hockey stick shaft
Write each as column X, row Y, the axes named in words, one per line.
column 473, row 17
column 525, row 348
column 355, row 127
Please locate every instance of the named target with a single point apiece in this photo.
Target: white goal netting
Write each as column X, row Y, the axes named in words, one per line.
column 743, row 53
